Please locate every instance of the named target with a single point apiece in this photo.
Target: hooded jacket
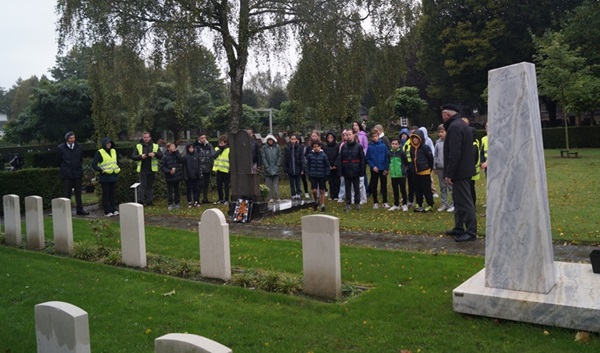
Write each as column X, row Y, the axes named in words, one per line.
column 406, row 132
column 428, row 141
column 421, row 155
column 294, row 159
column 377, row 156
column 271, row 156
column 205, row 153
column 191, row 165
column 169, row 161
column 105, row 177
column 331, row 149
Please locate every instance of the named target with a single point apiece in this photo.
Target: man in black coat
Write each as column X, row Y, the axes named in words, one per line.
column 459, row 167
column 70, row 160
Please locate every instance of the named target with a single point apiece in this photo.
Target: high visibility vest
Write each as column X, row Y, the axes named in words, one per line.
column 109, row 162
column 154, row 160
column 478, row 161
column 484, row 146
column 222, row 161
column 406, row 148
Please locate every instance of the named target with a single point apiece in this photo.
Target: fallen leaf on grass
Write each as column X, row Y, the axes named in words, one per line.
column 582, row 337
column 168, row 294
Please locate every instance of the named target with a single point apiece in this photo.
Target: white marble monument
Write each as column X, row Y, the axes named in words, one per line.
column 521, row 281
column 62, row 224
column 187, row 343
column 133, row 234
column 12, row 219
column 34, row 222
column 61, row 328
column 321, row 256
column 215, row 258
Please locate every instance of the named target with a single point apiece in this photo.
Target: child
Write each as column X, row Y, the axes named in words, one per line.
column 192, row 174
column 352, row 162
column 422, row 160
column 438, row 167
column 294, row 165
column 378, row 160
column 271, row 159
column 317, row 167
column 397, row 175
column 410, row 170
column 171, row 165
column 221, row 167
column 332, row 149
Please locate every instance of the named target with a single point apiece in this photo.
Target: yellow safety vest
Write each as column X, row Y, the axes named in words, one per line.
column 109, row 162
column 406, row 148
column 484, row 146
column 154, row 160
column 222, row 161
column 477, row 162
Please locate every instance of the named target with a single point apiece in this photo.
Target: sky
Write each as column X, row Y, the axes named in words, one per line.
column 27, row 39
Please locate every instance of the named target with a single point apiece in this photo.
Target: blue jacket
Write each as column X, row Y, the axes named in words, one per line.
column 317, row 164
column 377, row 156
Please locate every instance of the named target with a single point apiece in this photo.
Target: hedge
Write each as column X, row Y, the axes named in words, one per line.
column 28, row 182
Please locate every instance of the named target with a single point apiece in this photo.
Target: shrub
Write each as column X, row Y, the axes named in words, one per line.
column 85, row 251
column 45, row 183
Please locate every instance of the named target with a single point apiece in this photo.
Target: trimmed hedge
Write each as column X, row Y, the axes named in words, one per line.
column 27, row 182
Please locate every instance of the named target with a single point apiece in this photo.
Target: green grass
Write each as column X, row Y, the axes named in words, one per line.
column 408, row 307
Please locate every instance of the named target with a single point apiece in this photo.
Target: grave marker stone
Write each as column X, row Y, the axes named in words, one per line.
column 12, row 219
column 133, row 234
column 215, row 259
column 34, row 222
column 61, row 328
column 321, row 256
column 187, row 343
column 62, row 224
column 244, row 183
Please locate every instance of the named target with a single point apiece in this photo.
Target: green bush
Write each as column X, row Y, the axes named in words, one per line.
column 45, row 183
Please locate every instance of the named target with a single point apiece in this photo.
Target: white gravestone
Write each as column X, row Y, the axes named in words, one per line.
column 187, row 343
column 520, row 280
column 12, row 219
column 62, row 224
column 215, row 258
column 133, row 234
column 34, row 222
column 61, row 328
column 321, row 256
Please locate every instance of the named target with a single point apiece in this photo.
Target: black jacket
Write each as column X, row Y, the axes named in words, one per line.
column 458, row 149
column 70, row 161
column 169, row 161
column 205, row 153
column 331, row 150
column 191, row 165
column 352, row 160
column 293, row 162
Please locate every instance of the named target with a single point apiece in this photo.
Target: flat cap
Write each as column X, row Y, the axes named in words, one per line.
column 450, row 107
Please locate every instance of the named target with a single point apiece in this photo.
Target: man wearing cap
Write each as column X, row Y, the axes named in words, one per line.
column 147, row 154
column 70, row 160
column 459, row 167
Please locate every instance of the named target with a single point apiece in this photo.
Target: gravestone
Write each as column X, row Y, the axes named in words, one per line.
column 62, row 224
column 521, row 281
column 34, row 222
column 244, row 183
column 215, row 259
column 12, row 219
column 133, row 234
column 321, row 256
column 61, row 328
column 187, row 343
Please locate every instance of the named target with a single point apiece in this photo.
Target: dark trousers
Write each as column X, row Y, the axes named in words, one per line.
column 223, row 186
column 465, row 220
column 334, row 184
column 473, row 194
column 173, row 193
column 295, row 184
column 146, row 185
column 109, row 197
column 399, row 183
column 410, row 178
column 204, row 184
column 352, row 183
column 73, row 186
column 304, row 182
column 423, row 189
column 376, row 177
column 192, row 190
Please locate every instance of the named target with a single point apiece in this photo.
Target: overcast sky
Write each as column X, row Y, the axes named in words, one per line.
column 27, row 39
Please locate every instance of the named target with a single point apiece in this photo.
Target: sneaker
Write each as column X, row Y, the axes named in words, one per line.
column 410, row 204
column 83, row 213
column 428, row 209
column 341, row 200
column 347, row 208
column 393, row 208
column 190, row 204
column 335, row 199
column 358, row 207
column 116, row 213
column 218, row 202
column 442, row 208
column 196, row 204
column 326, row 193
column 386, row 205
column 110, row 214
column 205, row 201
column 270, row 200
column 435, row 195
column 375, row 206
column 322, row 208
column 404, row 208
column 177, row 206
column 419, row 209
column 450, row 209
column 306, row 196
column 170, row 208
column 225, row 202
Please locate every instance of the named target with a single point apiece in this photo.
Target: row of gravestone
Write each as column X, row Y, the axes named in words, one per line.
column 320, row 240
column 63, row 327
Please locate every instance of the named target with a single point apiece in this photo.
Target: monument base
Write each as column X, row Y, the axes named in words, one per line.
column 574, row 302
column 265, row 209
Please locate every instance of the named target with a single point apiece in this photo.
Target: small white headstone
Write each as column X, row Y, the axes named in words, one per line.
column 215, row 259
column 62, row 224
column 321, row 256
column 187, row 343
column 61, row 328
column 34, row 222
column 12, row 219
column 133, row 234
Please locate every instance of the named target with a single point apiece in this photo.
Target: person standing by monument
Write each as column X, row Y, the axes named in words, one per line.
column 147, row 154
column 459, row 167
column 271, row 159
column 221, row 167
column 70, row 161
column 172, row 166
column 106, row 163
column 205, row 153
column 352, row 164
column 294, row 165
